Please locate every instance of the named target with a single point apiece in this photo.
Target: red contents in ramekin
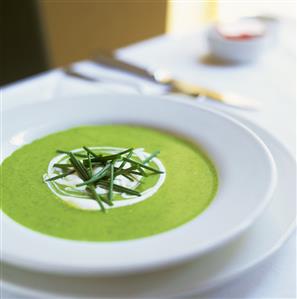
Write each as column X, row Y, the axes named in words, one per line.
column 241, row 30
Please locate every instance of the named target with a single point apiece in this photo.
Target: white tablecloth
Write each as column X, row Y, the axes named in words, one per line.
column 271, row 81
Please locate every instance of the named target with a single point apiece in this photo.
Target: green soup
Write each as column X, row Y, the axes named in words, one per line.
column 190, row 185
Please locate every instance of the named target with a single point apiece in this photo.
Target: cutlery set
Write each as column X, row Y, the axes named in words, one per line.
column 164, row 78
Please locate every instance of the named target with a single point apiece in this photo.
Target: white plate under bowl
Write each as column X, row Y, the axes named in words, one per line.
column 263, row 239
column 246, row 169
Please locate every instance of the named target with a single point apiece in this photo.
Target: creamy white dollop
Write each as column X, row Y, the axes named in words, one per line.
column 67, row 190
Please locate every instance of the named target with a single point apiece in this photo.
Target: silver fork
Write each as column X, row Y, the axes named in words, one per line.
column 69, row 71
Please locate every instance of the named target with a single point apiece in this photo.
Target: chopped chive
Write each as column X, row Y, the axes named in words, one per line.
column 130, row 170
column 90, row 170
column 99, row 175
column 94, row 163
column 124, row 171
column 104, row 159
column 79, row 167
column 143, row 173
column 89, row 151
column 108, row 202
column 60, row 176
column 128, row 177
column 128, row 157
column 142, row 165
column 97, row 197
column 111, row 157
column 151, row 156
column 110, row 193
column 139, row 173
column 125, row 151
column 62, row 165
column 67, row 152
column 102, row 198
column 105, row 185
column 62, row 152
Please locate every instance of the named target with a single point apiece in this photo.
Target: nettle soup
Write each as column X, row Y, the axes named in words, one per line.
column 107, row 183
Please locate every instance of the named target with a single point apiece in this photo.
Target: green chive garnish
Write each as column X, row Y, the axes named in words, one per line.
column 142, row 165
column 89, row 151
column 128, row 157
column 90, row 170
column 60, row 176
column 96, row 177
column 76, row 154
column 63, row 166
column 142, row 172
column 127, row 176
column 84, row 163
column 105, row 185
column 110, row 191
column 79, row 167
column 152, row 156
column 139, row 173
column 111, row 157
column 84, row 175
column 124, row 171
column 96, row 196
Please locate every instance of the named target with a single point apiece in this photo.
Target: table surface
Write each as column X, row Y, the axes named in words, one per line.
column 271, row 81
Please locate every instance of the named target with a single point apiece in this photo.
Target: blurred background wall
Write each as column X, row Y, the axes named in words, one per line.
column 23, row 51
column 40, row 34
column 76, row 29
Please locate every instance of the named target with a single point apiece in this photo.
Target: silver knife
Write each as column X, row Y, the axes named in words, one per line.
column 164, row 78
